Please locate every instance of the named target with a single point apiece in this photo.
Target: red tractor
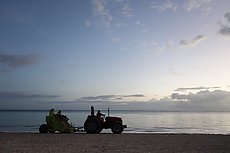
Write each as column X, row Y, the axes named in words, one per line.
column 95, row 123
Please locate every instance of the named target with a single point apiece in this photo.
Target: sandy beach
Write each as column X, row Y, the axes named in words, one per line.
column 97, row 143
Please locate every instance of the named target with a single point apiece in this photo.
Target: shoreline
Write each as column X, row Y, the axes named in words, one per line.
column 124, row 132
column 21, row 142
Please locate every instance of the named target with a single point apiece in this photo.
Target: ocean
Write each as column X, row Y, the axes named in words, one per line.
column 137, row 121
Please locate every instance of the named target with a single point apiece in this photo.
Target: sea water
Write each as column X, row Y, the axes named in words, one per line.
column 137, row 121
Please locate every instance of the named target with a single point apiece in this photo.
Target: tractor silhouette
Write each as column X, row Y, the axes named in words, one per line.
column 95, row 123
column 55, row 121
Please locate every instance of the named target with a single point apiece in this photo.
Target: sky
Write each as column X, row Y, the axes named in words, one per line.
column 161, row 55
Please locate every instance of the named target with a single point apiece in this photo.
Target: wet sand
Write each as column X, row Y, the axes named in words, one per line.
column 99, row 143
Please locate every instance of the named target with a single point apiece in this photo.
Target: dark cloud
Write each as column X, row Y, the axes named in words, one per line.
column 21, row 95
column 227, row 16
column 10, row 61
column 184, row 42
column 109, row 97
column 225, row 29
column 177, row 96
column 195, row 88
column 195, row 41
column 101, row 97
column 3, row 70
column 135, row 95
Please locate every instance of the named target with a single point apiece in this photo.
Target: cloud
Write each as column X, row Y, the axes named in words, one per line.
column 10, row 61
column 205, row 100
column 110, row 97
column 227, row 16
column 195, row 88
column 88, row 23
column 25, row 101
column 225, row 29
column 21, row 95
column 127, row 10
column 101, row 97
column 115, row 39
column 153, row 46
column 135, row 95
column 194, row 42
column 165, row 6
column 188, row 5
column 101, row 11
column 202, row 5
column 217, row 100
column 203, row 96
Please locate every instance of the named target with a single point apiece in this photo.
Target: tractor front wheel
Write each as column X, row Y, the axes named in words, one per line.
column 43, row 128
column 92, row 125
column 117, row 128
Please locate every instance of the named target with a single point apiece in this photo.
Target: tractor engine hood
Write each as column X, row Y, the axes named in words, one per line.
column 110, row 118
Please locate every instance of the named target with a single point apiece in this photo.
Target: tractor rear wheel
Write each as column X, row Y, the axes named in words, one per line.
column 92, row 125
column 117, row 128
column 43, row 128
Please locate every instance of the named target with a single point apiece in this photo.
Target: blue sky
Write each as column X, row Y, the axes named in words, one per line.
column 124, row 54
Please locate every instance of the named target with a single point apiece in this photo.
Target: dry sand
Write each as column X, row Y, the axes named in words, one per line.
column 98, row 143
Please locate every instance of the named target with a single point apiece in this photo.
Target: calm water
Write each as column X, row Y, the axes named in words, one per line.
column 137, row 121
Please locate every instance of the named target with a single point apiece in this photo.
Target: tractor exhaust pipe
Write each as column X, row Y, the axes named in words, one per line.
column 108, row 112
column 92, row 111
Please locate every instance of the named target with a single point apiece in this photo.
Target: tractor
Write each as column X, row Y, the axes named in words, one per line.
column 95, row 123
column 55, row 121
